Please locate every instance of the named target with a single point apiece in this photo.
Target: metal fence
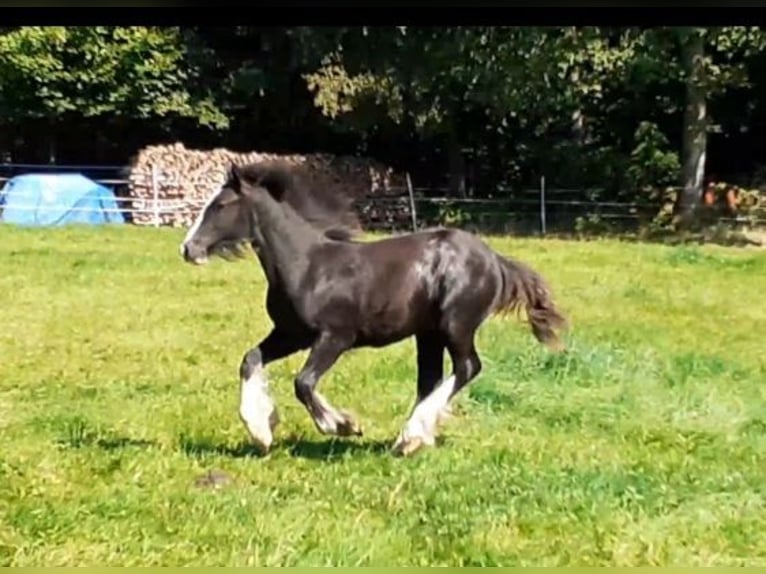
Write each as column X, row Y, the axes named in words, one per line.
column 537, row 210
column 528, row 211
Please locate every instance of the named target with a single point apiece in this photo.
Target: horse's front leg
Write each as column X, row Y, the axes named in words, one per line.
column 324, row 353
column 257, row 409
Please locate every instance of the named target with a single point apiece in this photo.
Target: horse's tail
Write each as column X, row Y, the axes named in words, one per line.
column 522, row 286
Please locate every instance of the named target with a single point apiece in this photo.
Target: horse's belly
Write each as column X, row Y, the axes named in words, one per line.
column 395, row 318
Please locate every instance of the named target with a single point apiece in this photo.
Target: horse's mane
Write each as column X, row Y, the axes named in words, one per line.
column 322, row 203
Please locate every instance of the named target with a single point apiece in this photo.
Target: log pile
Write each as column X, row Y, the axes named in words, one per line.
column 385, row 213
column 185, row 178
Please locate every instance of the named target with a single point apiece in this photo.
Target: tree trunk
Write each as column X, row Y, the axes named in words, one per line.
column 578, row 127
column 694, row 131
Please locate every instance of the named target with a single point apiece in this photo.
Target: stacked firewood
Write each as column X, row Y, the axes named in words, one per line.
column 184, row 179
column 385, row 213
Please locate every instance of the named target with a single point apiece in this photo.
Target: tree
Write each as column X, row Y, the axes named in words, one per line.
column 526, row 81
column 53, row 73
column 695, row 128
column 707, row 62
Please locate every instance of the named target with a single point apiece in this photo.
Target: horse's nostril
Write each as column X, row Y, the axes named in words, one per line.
column 184, row 251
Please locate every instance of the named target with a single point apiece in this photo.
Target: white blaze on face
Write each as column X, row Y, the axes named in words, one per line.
column 198, row 221
column 257, row 409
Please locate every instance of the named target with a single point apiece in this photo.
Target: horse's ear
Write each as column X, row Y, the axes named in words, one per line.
column 234, row 174
column 234, row 178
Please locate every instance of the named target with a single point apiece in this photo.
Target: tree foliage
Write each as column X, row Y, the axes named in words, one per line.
column 593, row 106
column 137, row 72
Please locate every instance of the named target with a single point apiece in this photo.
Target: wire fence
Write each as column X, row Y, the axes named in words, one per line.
column 527, row 211
column 524, row 213
column 538, row 210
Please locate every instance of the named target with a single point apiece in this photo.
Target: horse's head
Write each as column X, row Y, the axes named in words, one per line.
column 223, row 225
column 229, row 219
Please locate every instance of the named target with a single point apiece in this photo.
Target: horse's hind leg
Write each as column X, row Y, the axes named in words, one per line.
column 430, row 359
column 256, row 407
column 420, row 428
column 324, row 353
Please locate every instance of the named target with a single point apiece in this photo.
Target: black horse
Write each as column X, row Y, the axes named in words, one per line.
column 329, row 293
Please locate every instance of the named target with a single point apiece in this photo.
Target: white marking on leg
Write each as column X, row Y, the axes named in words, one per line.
column 257, row 409
column 422, row 422
column 330, row 420
column 445, row 414
column 327, row 419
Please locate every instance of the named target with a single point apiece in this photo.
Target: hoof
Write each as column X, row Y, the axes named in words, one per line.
column 410, row 445
column 261, row 433
column 263, row 444
column 348, row 426
column 261, row 436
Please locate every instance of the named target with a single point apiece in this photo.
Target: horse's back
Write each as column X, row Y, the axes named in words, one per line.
column 396, row 287
column 428, row 274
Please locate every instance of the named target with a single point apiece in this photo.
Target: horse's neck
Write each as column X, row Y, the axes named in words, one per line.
column 286, row 240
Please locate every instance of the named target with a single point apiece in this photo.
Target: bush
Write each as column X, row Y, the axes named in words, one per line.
column 651, row 165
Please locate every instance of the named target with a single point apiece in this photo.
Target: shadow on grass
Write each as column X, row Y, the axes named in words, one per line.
column 327, row 449
column 104, row 443
column 196, row 447
column 116, row 443
column 333, row 449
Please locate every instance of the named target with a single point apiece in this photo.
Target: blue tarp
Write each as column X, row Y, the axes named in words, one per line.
column 57, row 199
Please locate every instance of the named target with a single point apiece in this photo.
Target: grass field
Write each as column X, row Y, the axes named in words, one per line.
column 118, row 388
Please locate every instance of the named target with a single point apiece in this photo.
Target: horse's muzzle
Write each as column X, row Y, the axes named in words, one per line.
column 192, row 254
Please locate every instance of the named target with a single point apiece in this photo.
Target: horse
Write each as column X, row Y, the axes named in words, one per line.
column 329, row 292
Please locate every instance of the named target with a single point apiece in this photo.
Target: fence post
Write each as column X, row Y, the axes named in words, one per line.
column 412, row 203
column 155, row 197
column 542, row 204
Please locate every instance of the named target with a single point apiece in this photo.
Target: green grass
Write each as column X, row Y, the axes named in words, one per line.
column 118, row 387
